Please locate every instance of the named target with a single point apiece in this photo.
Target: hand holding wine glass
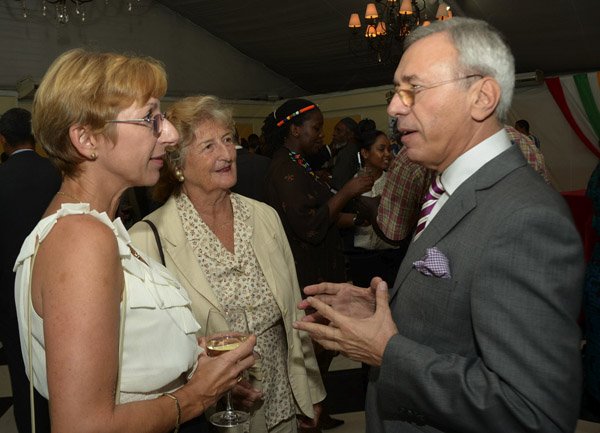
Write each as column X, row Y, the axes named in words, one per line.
column 225, row 331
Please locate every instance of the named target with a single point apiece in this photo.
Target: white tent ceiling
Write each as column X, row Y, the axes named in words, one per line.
column 259, row 49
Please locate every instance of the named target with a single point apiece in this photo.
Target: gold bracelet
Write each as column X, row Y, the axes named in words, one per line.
column 172, row 397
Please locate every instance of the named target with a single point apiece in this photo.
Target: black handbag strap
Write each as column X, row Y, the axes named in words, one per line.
column 158, row 242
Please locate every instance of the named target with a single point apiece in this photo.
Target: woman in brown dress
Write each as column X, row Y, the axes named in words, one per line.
column 311, row 212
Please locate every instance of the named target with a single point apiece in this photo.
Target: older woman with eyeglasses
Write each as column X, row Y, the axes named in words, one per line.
column 230, row 250
column 108, row 334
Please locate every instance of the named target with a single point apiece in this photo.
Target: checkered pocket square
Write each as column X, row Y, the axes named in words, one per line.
column 434, row 264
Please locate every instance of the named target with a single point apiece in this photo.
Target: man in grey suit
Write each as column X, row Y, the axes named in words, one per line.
column 480, row 334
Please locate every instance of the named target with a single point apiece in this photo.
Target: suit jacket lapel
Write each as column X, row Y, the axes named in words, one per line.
column 262, row 255
column 460, row 204
column 178, row 249
column 462, row 201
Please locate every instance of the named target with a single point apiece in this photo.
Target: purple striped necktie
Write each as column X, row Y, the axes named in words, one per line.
column 435, row 192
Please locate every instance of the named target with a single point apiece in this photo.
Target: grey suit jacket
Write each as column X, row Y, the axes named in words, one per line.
column 495, row 348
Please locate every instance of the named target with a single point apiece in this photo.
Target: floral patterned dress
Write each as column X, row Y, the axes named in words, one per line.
column 238, row 281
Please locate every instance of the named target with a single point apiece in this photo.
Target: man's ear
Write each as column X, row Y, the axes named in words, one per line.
column 485, row 98
column 83, row 140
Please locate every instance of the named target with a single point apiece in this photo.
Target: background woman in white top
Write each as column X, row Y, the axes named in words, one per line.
column 371, row 255
column 98, row 118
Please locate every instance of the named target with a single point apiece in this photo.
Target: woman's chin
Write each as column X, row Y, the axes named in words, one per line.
column 149, row 180
column 226, row 186
column 231, row 183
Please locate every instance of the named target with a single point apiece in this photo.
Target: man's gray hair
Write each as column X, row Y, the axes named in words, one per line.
column 481, row 50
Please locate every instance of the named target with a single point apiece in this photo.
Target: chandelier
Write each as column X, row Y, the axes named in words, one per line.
column 388, row 22
column 65, row 9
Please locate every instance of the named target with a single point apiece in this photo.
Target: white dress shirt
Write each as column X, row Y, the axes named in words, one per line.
column 467, row 164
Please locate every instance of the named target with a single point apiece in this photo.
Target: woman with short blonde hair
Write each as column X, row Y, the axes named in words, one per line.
column 108, row 335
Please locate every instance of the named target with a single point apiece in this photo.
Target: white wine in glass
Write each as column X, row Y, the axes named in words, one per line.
column 225, row 331
column 218, row 344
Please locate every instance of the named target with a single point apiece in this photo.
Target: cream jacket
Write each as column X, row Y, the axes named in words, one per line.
column 276, row 261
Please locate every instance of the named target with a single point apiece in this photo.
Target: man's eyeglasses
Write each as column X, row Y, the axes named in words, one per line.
column 152, row 121
column 407, row 96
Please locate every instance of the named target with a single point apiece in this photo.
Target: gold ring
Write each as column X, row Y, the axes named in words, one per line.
column 239, row 378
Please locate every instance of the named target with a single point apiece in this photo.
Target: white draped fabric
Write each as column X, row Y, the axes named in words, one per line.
column 569, row 161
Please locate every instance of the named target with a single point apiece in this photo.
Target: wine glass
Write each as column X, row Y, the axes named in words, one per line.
column 364, row 171
column 225, row 331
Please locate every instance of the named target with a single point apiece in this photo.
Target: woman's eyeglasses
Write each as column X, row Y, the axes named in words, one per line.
column 152, row 121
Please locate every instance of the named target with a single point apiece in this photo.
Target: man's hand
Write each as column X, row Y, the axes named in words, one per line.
column 352, row 301
column 359, row 337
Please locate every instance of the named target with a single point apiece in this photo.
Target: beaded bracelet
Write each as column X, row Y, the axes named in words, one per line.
column 171, row 396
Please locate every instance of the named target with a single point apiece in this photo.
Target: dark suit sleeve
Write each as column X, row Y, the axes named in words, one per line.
column 523, row 373
column 346, row 166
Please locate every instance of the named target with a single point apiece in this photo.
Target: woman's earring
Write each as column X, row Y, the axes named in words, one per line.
column 93, row 156
column 179, row 175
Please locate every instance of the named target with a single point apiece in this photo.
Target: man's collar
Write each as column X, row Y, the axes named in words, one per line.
column 469, row 162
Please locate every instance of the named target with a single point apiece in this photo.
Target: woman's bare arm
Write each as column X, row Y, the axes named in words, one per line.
column 77, row 287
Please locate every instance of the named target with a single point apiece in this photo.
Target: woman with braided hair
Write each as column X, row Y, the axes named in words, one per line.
column 310, row 212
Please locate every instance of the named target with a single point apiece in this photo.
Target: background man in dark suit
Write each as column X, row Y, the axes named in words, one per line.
column 27, row 184
column 344, row 148
column 480, row 334
column 251, row 172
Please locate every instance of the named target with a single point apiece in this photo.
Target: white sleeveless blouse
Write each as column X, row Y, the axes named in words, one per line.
column 159, row 337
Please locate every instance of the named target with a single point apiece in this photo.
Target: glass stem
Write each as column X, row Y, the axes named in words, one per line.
column 228, row 406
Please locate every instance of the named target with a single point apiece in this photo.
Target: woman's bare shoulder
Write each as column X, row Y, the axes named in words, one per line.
column 77, row 269
column 82, row 230
column 79, row 240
